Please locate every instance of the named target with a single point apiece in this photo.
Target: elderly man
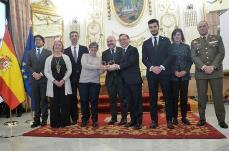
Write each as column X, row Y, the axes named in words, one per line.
column 207, row 54
column 114, row 81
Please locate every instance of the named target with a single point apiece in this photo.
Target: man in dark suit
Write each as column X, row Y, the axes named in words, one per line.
column 114, row 82
column 38, row 82
column 131, row 76
column 75, row 52
column 207, row 54
column 155, row 56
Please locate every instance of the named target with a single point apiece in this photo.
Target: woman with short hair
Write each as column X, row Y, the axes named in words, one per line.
column 89, row 85
column 180, row 75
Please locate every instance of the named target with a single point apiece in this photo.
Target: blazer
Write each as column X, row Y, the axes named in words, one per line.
column 182, row 60
column 76, row 66
column 209, row 52
column 48, row 74
column 152, row 56
column 107, row 56
column 129, row 66
column 35, row 65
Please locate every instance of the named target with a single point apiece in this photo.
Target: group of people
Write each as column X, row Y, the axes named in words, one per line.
column 60, row 73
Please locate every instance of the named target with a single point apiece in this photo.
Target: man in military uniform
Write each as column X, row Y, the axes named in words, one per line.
column 207, row 54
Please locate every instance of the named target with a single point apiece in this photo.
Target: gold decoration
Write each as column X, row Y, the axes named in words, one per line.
column 108, row 10
column 150, row 7
column 58, row 67
column 214, row 1
column 45, row 19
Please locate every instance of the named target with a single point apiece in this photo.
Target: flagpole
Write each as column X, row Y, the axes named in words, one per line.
column 30, row 121
column 11, row 123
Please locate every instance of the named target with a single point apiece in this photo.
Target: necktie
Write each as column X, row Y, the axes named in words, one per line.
column 38, row 53
column 204, row 38
column 124, row 51
column 113, row 53
column 155, row 42
column 75, row 54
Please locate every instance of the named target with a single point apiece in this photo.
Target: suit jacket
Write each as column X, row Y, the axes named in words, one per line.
column 209, row 52
column 76, row 66
column 107, row 56
column 129, row 66
column 35, row 65
column 152, row 56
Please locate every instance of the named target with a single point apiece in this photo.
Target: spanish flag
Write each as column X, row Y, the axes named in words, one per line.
column 11, row 83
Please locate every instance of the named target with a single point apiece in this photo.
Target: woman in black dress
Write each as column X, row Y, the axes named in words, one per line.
column 181, row 75
column 58, row 70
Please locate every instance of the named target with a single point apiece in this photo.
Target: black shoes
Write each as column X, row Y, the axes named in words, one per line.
column 170, row 125
column 138, row 126
column 130, row 124
column 112, row 122
column 74, row 122
column 175, row 121
column 185, row 121
column 135, row 125
column 43, row 123
column 201, row 123
column 122, row 122
column 35, row 124
column 223, row 125
column 95, row 125
column 154, row 125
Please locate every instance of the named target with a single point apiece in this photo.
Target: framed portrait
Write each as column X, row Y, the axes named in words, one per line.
column 128, row 12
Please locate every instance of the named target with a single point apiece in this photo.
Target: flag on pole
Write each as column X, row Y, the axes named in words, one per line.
column 11, row 83
column 29, row 46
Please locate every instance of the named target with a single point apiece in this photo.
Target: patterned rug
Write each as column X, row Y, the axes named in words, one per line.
column 106, row 131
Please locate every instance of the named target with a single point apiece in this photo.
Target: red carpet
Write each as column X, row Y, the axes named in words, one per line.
column 105, row 131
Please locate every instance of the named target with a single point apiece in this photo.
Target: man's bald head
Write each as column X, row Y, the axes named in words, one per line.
column 202, row 28
column 111, row 42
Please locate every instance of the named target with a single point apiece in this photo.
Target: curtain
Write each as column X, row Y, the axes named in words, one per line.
column 20, row 19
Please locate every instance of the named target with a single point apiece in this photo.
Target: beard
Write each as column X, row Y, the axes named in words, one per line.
column 155, row 34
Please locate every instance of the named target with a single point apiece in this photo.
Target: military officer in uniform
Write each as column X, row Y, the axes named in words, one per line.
column 207, row 54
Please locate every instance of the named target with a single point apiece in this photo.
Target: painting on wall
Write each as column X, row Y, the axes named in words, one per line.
column 47, row 25
column 128, row 11
column 47, row 22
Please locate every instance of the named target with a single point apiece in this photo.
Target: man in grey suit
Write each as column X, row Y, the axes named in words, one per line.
column 207, row 54
column 38, row 82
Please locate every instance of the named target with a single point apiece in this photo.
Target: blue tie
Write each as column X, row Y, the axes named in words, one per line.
column 75, row 54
